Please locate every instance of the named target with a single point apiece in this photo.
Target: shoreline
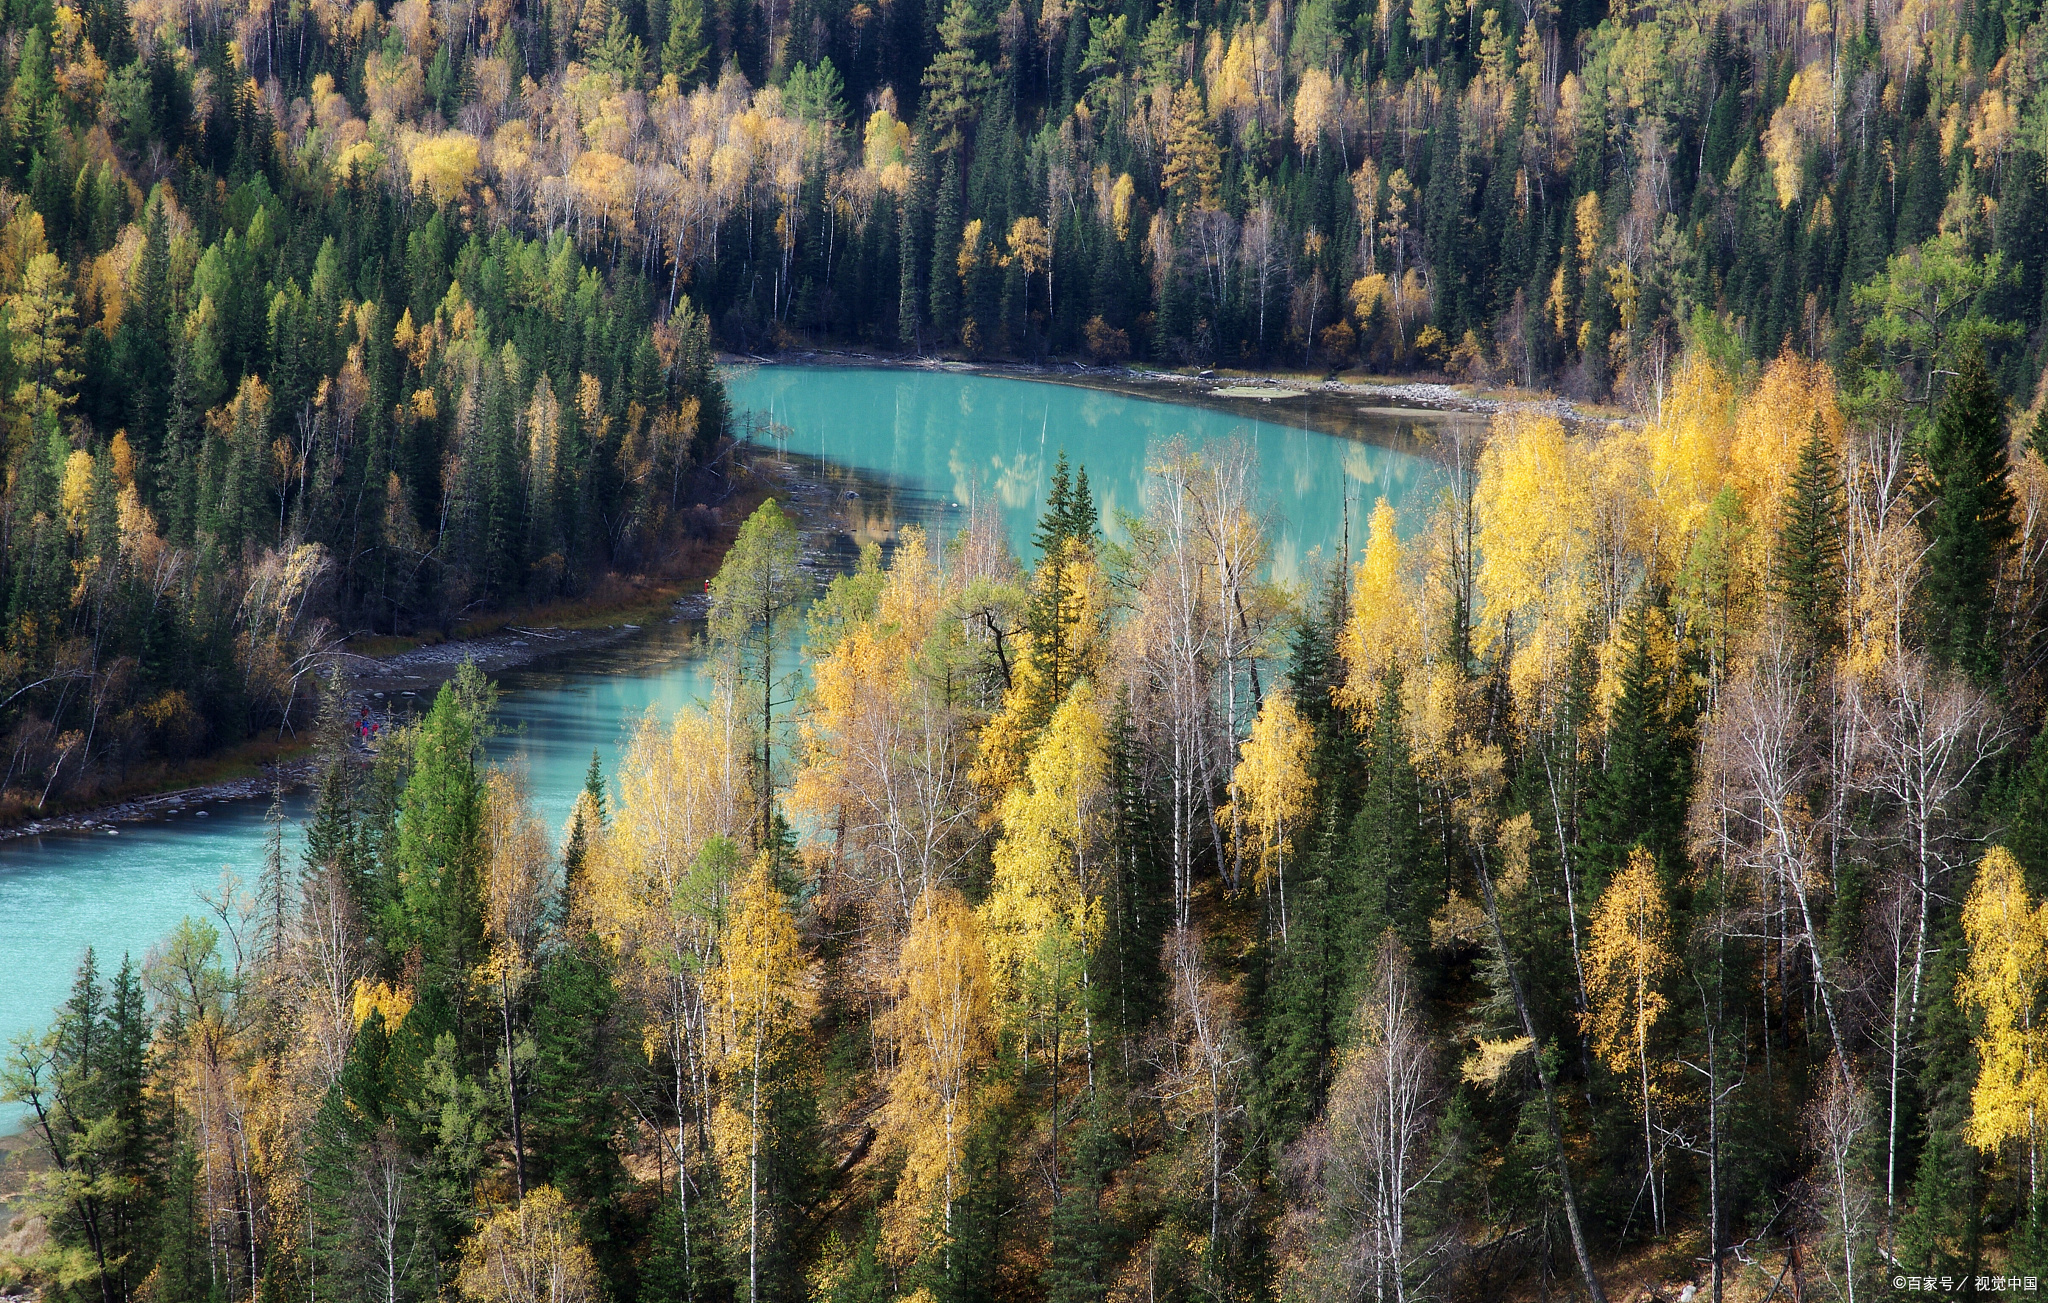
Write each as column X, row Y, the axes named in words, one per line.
column 395, row 685
column 383, row 684
column 1246, row 393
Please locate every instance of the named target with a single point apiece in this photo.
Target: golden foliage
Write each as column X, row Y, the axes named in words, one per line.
column 1627, row 956
column 1384, row 628
column 443, row 165
column 1534, row 510
column 1272, row 789
column 530, row 1251
column 1044, row 889
column 2003, row 985
column 943, row 1029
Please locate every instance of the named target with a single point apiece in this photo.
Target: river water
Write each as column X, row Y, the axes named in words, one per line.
column 901, row 446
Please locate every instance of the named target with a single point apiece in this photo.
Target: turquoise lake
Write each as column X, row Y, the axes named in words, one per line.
column 915, row 442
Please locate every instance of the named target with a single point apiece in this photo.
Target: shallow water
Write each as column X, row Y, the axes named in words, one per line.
column 906, row 445
column 963, row 434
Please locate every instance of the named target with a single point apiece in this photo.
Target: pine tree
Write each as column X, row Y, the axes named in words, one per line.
column 756, row 592
column 946, row 226
column 2023, row 802
column 1638, row 797
column 1078, row 1264
column 1967, row 515
column 1135, row 980
column 1389, row 878
column 437, row 905
column 685, row 52
column 1447, row 199
column 1056, row 522
column 1806, row 560
column 593, row 787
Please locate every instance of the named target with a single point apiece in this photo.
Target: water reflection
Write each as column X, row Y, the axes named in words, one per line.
column 996, row 438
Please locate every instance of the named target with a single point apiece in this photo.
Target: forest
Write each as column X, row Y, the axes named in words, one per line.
column 397, row 314
column 1627, row 871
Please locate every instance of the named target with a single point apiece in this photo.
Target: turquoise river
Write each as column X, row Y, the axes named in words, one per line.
column 917, row 442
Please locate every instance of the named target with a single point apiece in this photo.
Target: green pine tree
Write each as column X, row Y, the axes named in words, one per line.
column 437, row 905
column 1077, row 1268
column 1967, row 516
column 1806, row 560
column 1638, row 797
column 1389, row 878
column 685, row 52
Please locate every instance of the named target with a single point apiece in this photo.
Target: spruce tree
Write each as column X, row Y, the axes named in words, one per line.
column 1056, row 522
column 946, row 226
column 1967, row 507
column 1136, row 980
column 1806, row 561
column 2024, row 803
column 593, row 787
column 1078, row 1260
column 438, row 906
column 1638, row 797
column 1390, row 879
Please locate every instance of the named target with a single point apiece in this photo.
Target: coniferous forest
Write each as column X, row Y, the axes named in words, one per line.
column 1626, row 873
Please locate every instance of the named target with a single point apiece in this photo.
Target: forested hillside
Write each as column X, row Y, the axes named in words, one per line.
column 256, row 403
column 295, row 274
column 1628, row 872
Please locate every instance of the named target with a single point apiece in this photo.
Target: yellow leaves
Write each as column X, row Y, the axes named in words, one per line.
column 530, row 1250
column 1586, row 219
column 22, row 240
column 1383, row 629
column 942, row 1027
column 1798, row 125
column 1271, row 788
column 1194, row 165
column 1775, row 421
column 975, row 250
column 885, row 150
column 76, row 492
column 603, row 184
column 757, row 982
column 1318, row 107
column 377, row 997
column 1628, row 953
column 1367, row 294
column 2007, row 973
column 1050, row 823
column 1534, row 511
column 363, row 157
column 681, row 786
column 518, row 866
column 1688, row 445
column 1074, row 585
column 443, row 165
column 1031, row 243
column 1490, row 1061
column 1993, row 126
column 1121, row 198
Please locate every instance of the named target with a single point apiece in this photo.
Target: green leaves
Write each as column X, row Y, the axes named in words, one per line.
column 1922, row 310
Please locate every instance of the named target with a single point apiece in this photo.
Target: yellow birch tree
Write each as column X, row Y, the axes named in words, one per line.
column 757, row 988
column 1271, row 792
column 2007, row 973
column 942, row 1026
column 1629, row 955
